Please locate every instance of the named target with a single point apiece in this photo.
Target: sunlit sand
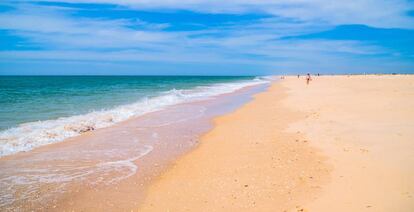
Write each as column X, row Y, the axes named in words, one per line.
column 341, row 143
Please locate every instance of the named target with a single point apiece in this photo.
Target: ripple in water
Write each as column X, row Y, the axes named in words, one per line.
column 31, row 182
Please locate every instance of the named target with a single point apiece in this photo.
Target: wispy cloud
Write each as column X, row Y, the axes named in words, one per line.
column 62, row 33
column 388, row 13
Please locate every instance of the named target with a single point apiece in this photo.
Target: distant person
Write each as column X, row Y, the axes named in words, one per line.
column 298, row 76
column 308, row 78
column 318, row 74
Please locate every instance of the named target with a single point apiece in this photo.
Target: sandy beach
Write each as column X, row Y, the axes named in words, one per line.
column 207, row 106
column 110, row 168
column 341, row 143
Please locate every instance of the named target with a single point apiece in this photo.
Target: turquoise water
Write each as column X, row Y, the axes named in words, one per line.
column 33, row 98
column 39, row 110
column 105, row 157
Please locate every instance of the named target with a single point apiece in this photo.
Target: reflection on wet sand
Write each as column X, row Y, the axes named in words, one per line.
column 42, row 178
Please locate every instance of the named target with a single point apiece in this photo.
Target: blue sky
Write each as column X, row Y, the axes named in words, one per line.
column 200, row 37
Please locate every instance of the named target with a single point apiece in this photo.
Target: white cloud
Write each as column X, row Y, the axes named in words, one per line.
column 58, row 32
column 49, row 27
column 68, row 38
column 293, row 57
column 378, row 13
column 279, row 52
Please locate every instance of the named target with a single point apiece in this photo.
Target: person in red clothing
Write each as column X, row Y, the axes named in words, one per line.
column 308, row 78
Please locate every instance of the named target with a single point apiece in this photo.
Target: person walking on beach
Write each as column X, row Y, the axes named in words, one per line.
column 308, row 78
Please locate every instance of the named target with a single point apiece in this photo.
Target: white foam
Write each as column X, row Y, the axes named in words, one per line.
column 25, row 182
column 34, row 134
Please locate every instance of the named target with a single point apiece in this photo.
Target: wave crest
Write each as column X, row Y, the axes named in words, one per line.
column 30, row 135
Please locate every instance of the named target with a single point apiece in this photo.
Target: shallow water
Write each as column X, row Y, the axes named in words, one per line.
column 36, row 111
column 37, row 179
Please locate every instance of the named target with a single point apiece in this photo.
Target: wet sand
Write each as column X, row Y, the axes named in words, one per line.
column 342, row 143
column 247, row 162
column 109, row 168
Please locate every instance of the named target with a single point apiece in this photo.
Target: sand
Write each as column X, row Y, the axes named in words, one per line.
column 341, row 143
column 365, row 125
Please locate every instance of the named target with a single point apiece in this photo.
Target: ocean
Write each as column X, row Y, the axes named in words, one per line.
column 40, row 110
column 140, row 124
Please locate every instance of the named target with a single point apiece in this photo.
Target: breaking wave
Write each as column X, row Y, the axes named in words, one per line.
column 30, row 135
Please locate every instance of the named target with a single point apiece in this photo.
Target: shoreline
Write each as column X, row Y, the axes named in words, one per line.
column 30, row 134
column 170, row 133
column 355, row 158
column 274, row 170
column 292, row 147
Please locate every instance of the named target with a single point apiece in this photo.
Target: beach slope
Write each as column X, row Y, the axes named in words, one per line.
column 338, row 144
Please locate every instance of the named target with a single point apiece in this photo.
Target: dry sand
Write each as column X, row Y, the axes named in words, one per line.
column 365, row 125
column 339, row 144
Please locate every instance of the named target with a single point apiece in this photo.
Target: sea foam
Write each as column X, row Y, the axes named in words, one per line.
column 30, row 135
